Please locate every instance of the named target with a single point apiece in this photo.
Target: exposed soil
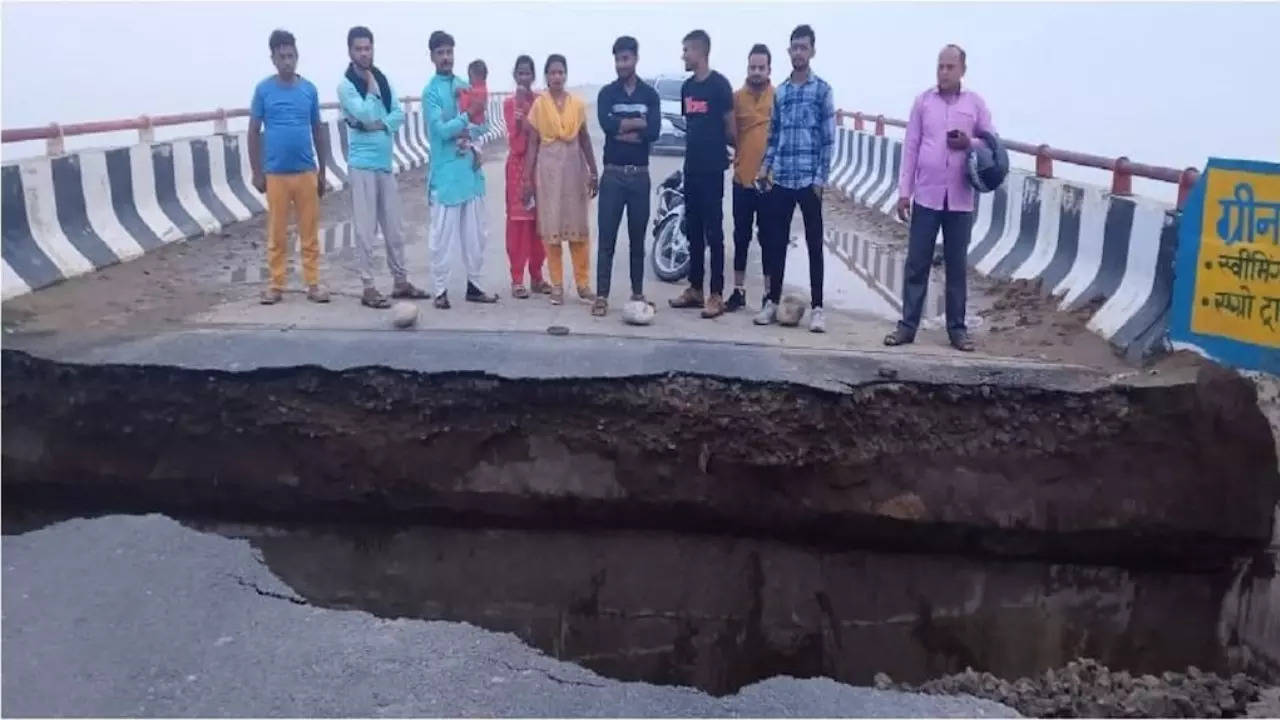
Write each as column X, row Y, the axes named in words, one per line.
column 1086, row 688
column 1184, row 473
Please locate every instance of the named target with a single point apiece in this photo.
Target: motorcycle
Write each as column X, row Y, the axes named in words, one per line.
column 670, row 255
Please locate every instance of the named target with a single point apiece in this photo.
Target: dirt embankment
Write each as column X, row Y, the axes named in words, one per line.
column 1184, row 473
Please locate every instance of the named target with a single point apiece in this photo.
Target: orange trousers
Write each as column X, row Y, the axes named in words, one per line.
column 297, row 191
column 580, row 255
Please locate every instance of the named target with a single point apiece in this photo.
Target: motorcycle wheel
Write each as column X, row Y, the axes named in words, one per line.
column 670, row 256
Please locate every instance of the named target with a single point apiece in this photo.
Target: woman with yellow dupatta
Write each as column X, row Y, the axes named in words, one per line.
column 560, row 173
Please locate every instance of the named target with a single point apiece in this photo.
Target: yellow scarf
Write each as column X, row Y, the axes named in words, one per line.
column 552, row 124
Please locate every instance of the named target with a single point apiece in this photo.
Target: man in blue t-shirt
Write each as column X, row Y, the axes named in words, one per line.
column 285, row 169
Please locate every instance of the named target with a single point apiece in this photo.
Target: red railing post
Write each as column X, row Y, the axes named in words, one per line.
column 1044, row 162
column 858, row 123
column 1185, row 183
column 54, row 145
column 146, row 132
column 880, row 125
column 839, row 119
column 1121, row 177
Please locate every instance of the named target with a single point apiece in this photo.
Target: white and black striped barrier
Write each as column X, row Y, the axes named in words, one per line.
column 1085, row 244
column 70, row 214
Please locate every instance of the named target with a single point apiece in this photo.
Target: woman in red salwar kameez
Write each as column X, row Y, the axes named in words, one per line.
column 524, row 249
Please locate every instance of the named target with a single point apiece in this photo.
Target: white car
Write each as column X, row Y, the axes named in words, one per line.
column 671, row 138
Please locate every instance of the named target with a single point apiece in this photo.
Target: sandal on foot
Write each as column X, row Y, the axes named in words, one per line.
column 317, row 294
column 271, row 296
column 586, row 295
column 374, row 299
column 557, row 296
column 406, row 290
column 519, row 292
column 542, row 287
column 600, row 307
column 442, row 301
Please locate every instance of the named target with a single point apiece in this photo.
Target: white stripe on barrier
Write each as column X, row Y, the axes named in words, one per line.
column 1149, row 220
column 42, row 218
column 143, row 171
column 184, row 180
column 840, row 164
column 985, row 216
column 1051, row 197
column 868, row 167
column 246, row 169
column 218, row 179
column 1021, row 193
column 889, row 206
column 335, row 146
column 11, row 285
column 99, row 209
column 1093, row 223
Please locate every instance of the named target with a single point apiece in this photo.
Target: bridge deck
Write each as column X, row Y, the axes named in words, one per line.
column 212, row 283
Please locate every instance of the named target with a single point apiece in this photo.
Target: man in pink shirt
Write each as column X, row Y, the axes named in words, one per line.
column 944, row 121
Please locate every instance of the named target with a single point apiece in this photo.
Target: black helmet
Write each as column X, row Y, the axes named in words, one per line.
column 988, row 162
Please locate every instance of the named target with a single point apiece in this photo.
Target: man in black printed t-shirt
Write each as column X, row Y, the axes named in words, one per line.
column 707, row 105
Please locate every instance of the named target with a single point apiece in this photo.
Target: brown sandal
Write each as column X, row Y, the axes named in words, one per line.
column 408, row 291
column 374, row 299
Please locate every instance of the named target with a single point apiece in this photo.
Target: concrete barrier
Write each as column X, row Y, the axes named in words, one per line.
column 1084, row 244
column 67, row 215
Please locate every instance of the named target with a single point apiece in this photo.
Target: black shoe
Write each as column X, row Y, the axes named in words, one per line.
column 442, row 301
column 736, row 300
column 899, row 337
column 475, row 294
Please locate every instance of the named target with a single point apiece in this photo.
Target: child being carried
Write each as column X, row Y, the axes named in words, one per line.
column 477, row 74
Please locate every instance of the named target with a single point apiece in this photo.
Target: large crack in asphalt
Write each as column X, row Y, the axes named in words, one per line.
column 1181, row 473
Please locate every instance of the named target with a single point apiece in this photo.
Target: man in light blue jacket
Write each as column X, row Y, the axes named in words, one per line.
column 455, row 183
column 373, row 118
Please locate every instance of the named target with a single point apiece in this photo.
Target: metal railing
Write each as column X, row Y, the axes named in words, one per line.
column 53, row 133
column 1123, row 170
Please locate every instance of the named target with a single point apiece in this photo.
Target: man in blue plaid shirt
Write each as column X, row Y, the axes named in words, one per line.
column 797, row 161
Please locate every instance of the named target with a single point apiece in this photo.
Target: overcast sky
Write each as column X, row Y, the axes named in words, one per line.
column 1163, row 83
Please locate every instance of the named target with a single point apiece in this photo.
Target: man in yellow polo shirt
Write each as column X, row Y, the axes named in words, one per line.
column 752, row 107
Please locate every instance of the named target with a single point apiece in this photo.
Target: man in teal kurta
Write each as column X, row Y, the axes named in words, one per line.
column 455, row 185
column 373, row 118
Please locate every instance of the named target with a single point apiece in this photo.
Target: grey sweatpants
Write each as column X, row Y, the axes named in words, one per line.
column 375, row 202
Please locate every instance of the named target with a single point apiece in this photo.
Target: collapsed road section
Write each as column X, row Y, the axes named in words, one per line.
column 1181, row 473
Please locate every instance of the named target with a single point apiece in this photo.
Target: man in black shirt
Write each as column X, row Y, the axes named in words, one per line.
column 630, row 114
column 707, row 105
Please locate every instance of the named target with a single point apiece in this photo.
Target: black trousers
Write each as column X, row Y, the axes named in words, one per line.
column 618, row 191
column 704, row 217
column 956, row 226
column 783, row 202
column 749, row 205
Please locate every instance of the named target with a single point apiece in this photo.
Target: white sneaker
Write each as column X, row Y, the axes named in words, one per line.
column 768, row 314
column 817, row 322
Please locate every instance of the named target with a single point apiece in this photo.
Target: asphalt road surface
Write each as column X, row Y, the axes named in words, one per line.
column 141, row 616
